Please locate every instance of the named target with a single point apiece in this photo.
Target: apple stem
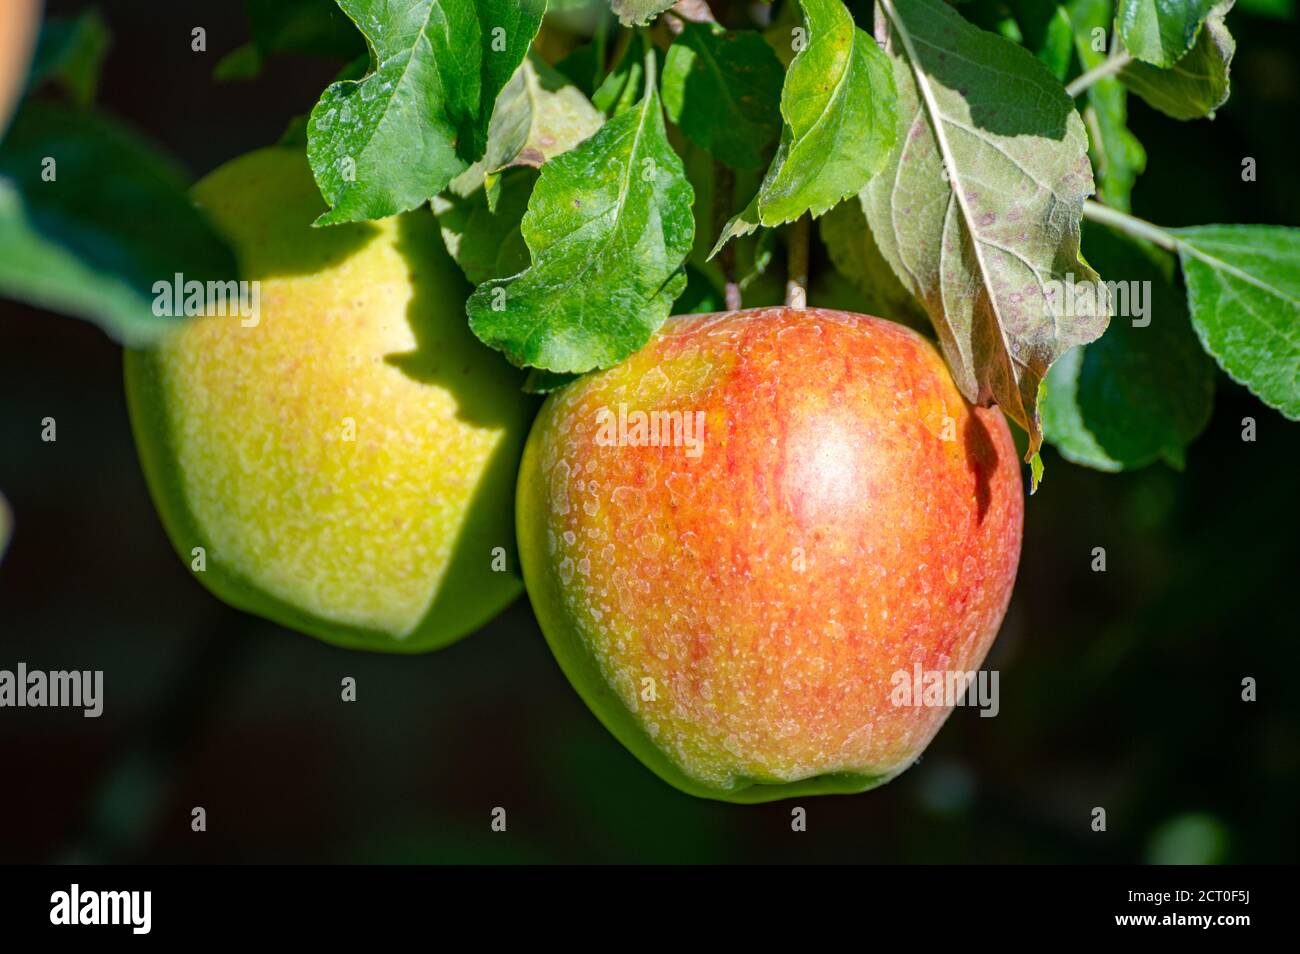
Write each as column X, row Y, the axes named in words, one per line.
column 796, row 284
column 724, row 193
column 733, row 300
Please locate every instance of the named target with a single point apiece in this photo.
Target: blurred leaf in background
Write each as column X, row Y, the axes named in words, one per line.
column 1280, row 9
column 1192, row 839
column 71, row 54
column 92, row 217
column 307, row 27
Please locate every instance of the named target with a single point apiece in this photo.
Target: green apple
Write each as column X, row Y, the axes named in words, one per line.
column 339, row 455
column 745, row 542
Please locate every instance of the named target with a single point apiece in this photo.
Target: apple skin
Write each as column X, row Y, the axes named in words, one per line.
column 384, row 542
column 18, row 22
column 825, row 537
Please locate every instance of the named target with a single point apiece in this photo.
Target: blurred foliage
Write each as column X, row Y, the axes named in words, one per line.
column 71, row 53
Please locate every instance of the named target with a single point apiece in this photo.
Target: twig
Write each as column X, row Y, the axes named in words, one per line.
column 724, row 193
column 796, row 282
column 733, row 300
column 880, row 27
column 1140, row 228
column 1113, row 64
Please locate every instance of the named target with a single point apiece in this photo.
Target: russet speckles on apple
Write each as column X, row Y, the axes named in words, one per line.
column 347, row 461
column 737, row 617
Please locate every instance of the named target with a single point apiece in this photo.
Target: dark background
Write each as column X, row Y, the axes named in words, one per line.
column 1119, row 689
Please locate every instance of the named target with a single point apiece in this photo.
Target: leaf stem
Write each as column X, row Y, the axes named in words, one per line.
column 651, row 64
column 1112, row 65
column 1139, row 228
column 601, row 42
column 796, row 281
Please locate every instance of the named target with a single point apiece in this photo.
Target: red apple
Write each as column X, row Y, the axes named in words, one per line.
column 737, row 540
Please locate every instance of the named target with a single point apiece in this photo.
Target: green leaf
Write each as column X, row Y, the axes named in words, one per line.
column 979, row 209
column 701, row 296
column 1197, row 84
column 585, row 66
column 1243, row 287
column 996, row 16
column 1090, row 23
column 1142, row 392
column 539, row 115
column 295, row 133
column 623, row 87
column 561, row 116
column 609, row 227
column 1160, row 32
column 639, row 12
column 787, row 32
column 486, row 242
column 544, row 382
column 1277, row 9
column 305, row 27
column 353, row 69
column 386, row 143
column 1047, row 32
column 838, row 103
column 1117, row 156
column 71, row 53
column 314, row 27
column 75, row 246
column 855, row 254
column 240, row 65
column 723, row 89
